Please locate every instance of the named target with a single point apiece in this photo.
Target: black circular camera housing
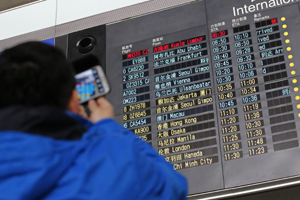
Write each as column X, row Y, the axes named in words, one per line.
column 86, row 45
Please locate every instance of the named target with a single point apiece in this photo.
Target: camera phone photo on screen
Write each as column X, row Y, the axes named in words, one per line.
column 91, row 84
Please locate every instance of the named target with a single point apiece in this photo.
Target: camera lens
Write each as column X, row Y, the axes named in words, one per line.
column 86, row 45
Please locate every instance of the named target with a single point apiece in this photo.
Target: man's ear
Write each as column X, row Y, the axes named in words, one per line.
column 73, row 104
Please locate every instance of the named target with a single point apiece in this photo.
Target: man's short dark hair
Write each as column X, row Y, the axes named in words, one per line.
column 35, row 74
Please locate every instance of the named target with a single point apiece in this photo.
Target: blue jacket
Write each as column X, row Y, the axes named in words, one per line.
column 106, row 162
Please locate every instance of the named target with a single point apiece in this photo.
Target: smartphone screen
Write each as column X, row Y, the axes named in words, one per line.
column 89, row 84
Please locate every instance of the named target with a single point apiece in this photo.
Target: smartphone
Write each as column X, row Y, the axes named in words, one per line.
column 91, row 83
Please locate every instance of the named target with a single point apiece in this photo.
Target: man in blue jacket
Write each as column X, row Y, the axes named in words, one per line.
column 49, row 151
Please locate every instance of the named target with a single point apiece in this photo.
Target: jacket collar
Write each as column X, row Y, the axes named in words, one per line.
column 44, row 120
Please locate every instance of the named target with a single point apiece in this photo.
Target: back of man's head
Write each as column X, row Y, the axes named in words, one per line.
column 35, row 74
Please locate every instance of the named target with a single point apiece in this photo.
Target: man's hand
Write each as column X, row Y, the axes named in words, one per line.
column 100, row 109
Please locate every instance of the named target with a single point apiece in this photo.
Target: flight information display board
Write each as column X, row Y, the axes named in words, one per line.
column 213, row 86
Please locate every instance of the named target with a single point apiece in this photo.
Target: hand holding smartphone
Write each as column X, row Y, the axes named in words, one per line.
column 91, row 81
column 91, row 84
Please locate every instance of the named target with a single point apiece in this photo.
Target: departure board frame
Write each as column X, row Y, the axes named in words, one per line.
column 213, row 87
